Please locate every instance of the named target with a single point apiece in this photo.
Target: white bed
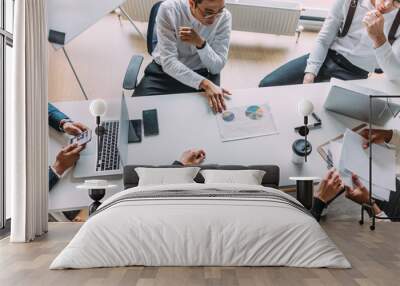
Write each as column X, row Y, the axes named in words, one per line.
column 268, row 228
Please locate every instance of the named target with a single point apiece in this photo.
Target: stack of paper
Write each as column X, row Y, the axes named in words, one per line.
column 349, row 157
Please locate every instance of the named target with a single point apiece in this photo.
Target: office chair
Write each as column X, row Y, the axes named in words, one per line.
column 130, row 80
column 131, row 75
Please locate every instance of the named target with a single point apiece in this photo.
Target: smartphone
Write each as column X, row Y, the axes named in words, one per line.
column 82, row 139
column 135, row 131
column 150, row 122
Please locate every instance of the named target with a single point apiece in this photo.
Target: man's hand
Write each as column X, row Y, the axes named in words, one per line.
column 74, row 128
column 309, row 78
column 378, row 136
column 358, row 193
column 384, row 6
column 215, row 95
column 330, row 186
column 67, row 158
column 374, row 22
column 190, row 36
column 193, row 157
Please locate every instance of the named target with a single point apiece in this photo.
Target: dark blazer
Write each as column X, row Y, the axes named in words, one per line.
column 55, row 117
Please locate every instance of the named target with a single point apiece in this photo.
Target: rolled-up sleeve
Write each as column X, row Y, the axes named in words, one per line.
column 215, row 53
column 326, row 37
column 388, row 58
column 167, row 42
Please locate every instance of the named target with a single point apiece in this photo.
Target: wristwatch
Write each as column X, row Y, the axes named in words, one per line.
column 62, row 122
column 202, row 47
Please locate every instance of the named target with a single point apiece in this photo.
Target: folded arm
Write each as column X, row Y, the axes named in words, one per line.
column 167, row 41
column 215, row 54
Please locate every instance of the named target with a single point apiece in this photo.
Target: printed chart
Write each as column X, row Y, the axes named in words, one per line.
column 246, row 122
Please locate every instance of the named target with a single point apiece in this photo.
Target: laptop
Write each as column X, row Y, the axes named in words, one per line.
column 351, row 100
column 113, row 149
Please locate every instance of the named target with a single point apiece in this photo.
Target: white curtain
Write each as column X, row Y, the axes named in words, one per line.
column 27, row 129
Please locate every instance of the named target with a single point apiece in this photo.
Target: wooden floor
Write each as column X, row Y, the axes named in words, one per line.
column 375, row 257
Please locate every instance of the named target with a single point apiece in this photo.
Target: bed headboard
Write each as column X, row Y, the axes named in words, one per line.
column 271, row 178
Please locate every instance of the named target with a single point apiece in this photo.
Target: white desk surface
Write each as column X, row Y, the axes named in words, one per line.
column 185, row 122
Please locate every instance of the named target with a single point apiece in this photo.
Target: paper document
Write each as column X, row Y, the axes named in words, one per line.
column 348, row 156
column 356, row 160
column 246, row 122
column 335, row 149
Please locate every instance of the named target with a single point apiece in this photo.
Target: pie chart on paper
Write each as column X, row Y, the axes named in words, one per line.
column 228, row 116
column 254, row 112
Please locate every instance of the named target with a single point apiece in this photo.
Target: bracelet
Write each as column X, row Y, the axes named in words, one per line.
column 62, row 122
column 203, row 46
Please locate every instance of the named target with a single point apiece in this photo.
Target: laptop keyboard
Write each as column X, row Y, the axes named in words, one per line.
column 108, row 158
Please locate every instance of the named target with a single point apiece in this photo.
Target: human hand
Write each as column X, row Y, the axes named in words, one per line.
column 330, row 186
column 74, row 128
column 378, row 136
column 215, row 95
column 193, row 157
column 385, row 6
column 358, row 193
column 374, row 22
column 309, row 78
column 67, row 158
column 190, row 36
column 81, row 216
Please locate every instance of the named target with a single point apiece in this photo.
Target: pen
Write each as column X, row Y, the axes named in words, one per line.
column 310, row 127
column 316, row 117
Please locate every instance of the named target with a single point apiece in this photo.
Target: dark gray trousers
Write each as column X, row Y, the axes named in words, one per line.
column 335, row 65
column 157, row 82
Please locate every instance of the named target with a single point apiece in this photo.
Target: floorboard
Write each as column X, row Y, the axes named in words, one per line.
column 375, row 257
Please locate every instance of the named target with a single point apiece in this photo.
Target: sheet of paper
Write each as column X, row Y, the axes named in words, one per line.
column 356, row 159
column 246, row 122
column 335, row 148
column 377, row 192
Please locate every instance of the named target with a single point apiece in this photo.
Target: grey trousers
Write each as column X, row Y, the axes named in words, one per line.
column 335, row 65
column 157, row 82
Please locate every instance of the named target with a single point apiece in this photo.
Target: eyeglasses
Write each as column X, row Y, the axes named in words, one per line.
column 209, row 15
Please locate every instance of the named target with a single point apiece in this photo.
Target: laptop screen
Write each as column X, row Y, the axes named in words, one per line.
column 123, row 132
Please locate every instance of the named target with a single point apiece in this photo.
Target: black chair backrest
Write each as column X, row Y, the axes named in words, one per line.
column 151, row 31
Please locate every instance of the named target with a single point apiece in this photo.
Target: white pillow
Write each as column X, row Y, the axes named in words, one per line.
column 247, row 177
column 166, row 176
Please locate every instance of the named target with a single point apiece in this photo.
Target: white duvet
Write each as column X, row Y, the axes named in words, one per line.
column 200, row 232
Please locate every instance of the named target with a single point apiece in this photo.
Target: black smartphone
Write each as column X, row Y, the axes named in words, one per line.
column 135, row 131
column 150, row 122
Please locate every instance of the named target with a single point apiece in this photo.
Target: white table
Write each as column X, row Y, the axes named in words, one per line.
column 186, row 121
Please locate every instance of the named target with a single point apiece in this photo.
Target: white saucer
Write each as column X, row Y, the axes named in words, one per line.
column 96, row 185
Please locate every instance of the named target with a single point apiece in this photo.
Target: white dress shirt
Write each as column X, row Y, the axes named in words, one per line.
column 179, row 59
column 396, row 143
column 356, row 46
